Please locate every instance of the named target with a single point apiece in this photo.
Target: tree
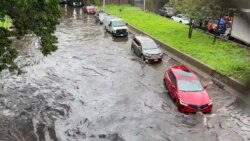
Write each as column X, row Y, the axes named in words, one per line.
column 38, row 17
column 196, row 10
column 205, row 10
column 96, row 2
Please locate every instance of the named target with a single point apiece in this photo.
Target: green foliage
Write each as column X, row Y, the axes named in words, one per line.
column 6, row 22
column 7, row 54
column 96, row 2
column 29, row 16
column 197, row 9
column 225, row 57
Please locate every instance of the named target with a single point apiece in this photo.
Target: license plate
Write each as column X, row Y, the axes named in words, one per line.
column 121, row 34
column 156, row 59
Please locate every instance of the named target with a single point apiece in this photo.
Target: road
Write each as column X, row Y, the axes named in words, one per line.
column 93, row 88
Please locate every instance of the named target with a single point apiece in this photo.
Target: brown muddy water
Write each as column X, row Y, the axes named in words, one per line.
column 92, row 88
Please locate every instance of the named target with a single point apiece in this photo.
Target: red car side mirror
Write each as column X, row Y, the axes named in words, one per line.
column 205, row 86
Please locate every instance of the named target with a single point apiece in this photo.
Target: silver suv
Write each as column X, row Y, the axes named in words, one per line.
column 147, row 49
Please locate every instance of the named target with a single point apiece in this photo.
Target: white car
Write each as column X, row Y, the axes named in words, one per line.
column 181, row 19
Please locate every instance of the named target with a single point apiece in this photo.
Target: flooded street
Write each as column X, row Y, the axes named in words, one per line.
column 93, row 88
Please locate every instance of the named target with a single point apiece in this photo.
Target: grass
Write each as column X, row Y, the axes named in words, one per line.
column 226, row 57
column 6, row 23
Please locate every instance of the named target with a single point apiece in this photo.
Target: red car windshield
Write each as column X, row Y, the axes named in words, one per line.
column 189, row 85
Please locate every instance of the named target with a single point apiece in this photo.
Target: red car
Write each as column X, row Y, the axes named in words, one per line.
column 89, row 9
column 187, row 91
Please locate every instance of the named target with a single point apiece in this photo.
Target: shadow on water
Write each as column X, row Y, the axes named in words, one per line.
column 120, row 39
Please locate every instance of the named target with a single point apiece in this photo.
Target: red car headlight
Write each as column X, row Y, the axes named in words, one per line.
column 210, row 103
column 183, row 103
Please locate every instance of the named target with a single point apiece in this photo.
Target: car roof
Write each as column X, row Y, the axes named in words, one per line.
column 111, row 17
column 116, row 19
column 90, row 6
column 182, row 72
column 144, row 39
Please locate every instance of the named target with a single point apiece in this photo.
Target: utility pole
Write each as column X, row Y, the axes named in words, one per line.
column 103, row 4
column 144, row 5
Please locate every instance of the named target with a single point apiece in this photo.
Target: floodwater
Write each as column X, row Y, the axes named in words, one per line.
column 92, row 88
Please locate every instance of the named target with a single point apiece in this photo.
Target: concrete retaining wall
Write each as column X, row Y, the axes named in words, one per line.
column 236, row 85
column 115, row 1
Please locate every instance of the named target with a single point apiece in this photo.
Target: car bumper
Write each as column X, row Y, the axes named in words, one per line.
column 187, row 109
column 120, row 34
column 153, row 59
column 91, row 12
column 76, row 5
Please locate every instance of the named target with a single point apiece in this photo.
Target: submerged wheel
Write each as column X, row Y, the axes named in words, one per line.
column 177, row 105
column 164, row 83
column 132, row 49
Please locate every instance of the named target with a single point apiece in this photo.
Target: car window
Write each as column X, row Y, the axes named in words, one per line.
column 172, row 77
column 171, row 10
column 184, row 17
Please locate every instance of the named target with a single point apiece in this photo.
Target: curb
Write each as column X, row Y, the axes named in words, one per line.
column 231, row 82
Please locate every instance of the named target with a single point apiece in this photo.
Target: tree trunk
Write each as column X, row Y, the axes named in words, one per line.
column 218, row 24
column 191, row 27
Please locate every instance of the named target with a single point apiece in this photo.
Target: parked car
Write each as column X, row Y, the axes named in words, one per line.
column 75, row 3
column 180, row 18
column 99, row 16
column 147, row 49
column 186, row 90
column 89, row 9
column 116, row 26
column 167, row 12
